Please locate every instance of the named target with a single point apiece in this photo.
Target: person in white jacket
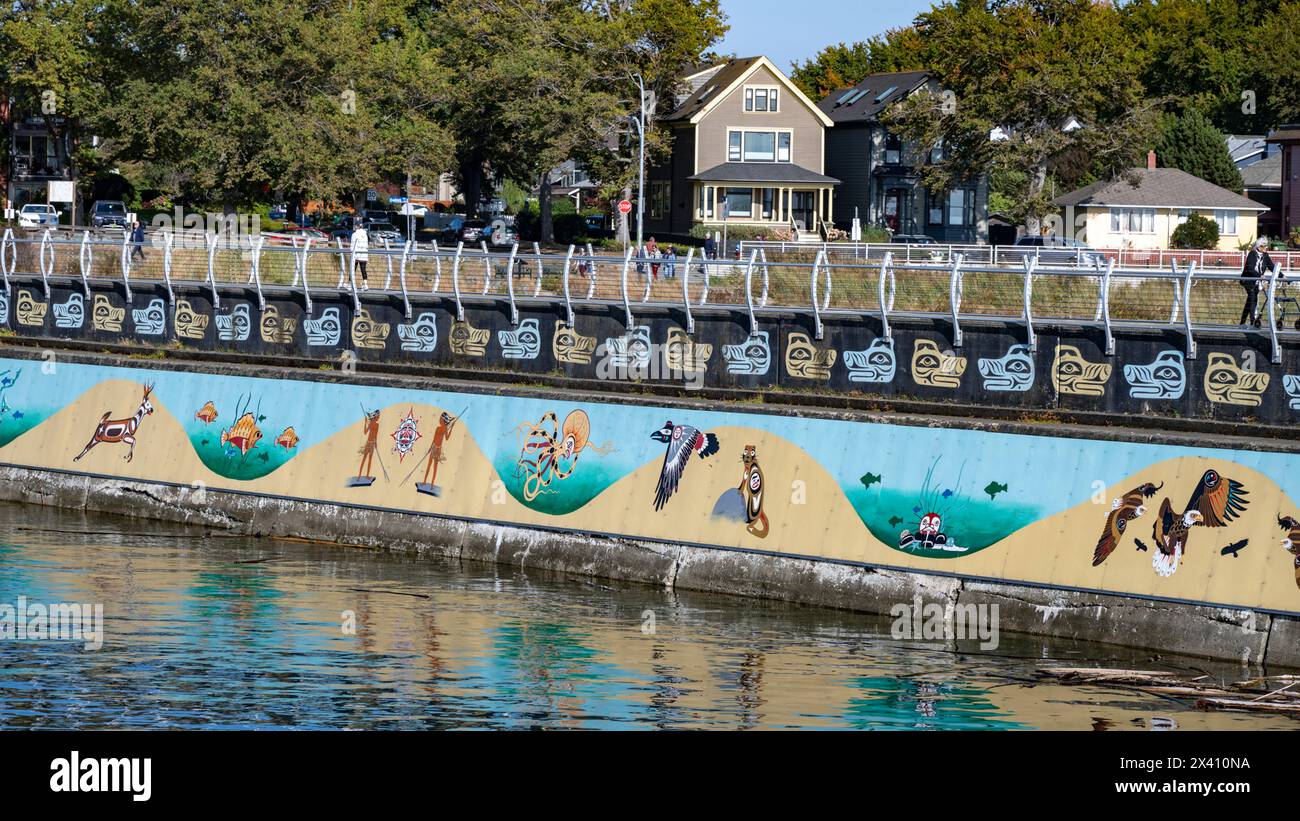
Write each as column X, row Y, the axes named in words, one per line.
column 361, row 252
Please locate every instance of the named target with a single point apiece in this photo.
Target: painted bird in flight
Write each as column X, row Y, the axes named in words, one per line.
column 683, row 441
column 1216, row 502
column 1121, row 513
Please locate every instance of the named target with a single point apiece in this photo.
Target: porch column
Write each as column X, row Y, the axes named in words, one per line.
column 830, row 205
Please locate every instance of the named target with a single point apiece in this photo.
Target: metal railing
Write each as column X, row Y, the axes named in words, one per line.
column 1183, row 297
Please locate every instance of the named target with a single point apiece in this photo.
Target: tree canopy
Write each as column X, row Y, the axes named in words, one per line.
column 1193, row 144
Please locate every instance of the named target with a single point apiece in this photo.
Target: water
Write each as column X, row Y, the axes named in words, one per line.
column 208, row 631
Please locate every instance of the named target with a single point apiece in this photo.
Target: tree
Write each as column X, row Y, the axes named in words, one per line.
column 1198, row 233
column 1193, row 144
column 1055, row 79
column 841, row 66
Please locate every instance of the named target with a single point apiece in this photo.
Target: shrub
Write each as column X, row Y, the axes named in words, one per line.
column 1199, row 233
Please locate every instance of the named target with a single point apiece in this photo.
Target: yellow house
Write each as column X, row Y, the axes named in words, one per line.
column 1142, row 213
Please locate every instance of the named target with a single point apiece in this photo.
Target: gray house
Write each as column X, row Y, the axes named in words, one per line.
column 878, row 170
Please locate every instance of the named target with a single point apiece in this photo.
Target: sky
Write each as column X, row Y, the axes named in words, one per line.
column 787, row 31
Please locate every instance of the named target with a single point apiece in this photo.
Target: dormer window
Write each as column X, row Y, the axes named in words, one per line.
column 765, row 99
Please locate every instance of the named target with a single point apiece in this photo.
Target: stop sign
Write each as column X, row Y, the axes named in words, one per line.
column 625, row 207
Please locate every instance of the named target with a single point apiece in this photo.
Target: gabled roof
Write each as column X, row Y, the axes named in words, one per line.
column 725, row 79
column 1158, row 188
column 866, row 100
column 1267, row 173
column 1246, row 147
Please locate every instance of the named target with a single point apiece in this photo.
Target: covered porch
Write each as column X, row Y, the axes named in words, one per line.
column 775, row 195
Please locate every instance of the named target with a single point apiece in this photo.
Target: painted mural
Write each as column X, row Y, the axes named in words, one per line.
column 1182, row 523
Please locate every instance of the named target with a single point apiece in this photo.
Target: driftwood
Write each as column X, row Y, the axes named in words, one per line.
column 1271, row 694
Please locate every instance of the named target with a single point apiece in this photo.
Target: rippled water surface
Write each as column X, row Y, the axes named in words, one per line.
column 208, row 631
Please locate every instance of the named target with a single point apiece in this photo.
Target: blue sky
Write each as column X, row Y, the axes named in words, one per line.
column 786, row 31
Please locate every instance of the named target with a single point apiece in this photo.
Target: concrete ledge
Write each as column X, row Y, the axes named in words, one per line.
column 1241, row 636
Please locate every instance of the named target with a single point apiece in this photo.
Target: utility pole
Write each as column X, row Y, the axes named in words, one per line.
column 640, row 122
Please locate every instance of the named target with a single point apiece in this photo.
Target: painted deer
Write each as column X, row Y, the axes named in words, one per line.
column 114, row 431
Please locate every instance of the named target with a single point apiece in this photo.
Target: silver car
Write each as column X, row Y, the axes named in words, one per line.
column 1053, row 250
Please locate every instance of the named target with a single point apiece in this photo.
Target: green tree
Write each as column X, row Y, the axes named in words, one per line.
column 1052, row 79
column 1198, row 233
column 1193, row 144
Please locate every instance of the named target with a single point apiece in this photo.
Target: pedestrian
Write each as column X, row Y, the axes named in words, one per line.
column 361, row 252
column 670, row 262
column 137, row 240
column 652, row 251
column 1258, row 263
column 710, row 247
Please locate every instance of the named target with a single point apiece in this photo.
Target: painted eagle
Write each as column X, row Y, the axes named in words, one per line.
column 1216, row 502
column 1125, row 510
column 683, row 442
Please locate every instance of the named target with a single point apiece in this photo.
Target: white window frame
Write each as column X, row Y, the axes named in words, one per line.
column 731, row 209
column 783, row 156
column 1122, row 220
column 771, row 99
column 1226, row 219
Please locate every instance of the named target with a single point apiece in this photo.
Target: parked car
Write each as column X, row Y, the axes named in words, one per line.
column 501, row 234
column 1053, row 250
column 472, row 232
column 412, row 209
column 287, row 234
column 34, row 215
column 913, row 239
column 381, row 232
column 278, row 212
column 109, row 214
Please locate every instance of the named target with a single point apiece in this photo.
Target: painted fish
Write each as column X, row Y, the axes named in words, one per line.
column 287, row 440
column 994, row 489
column 870, row 479
column 896, row 521
column 947, row 494
column 243, row 436
column 207, row 414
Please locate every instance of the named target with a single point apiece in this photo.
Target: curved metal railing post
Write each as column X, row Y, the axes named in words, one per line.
column 86, row 258
column 388, row 263
column 1178, row 296
column 591, row 272
column 887, row 304
column 648, row 270
column 306, row 281
column 707, row 270
column 124, row 257
column 8, row 257
column 510, row 284
column 352, row 276
column 343, row 261
column 487, row 268
column 955, row 288
column 762, row 299
column 437, row 268
column 1187, row 310
column 255, row 268
column 406, row 297
column 749, row 292
column 1032, row 338
column 686, row 291
column 169, row 242
column 820, row 302
column 1273, row 278
column 455, row 281
column 537, row 272
column 627, row 306
column 1105, row 306
column 568, row 303
column 212, row 274
column 47, row 259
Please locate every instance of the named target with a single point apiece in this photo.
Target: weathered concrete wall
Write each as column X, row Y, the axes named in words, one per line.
column 1235, row 635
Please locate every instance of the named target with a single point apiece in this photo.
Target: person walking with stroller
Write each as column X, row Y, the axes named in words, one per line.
column 1258, row 263
column 361, row 252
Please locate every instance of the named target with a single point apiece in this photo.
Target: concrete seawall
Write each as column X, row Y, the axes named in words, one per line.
column 1211, row 632
column 859, row 511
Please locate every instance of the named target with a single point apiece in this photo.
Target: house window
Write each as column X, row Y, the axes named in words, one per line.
column 893, row 150
column 660, row 197
column 767, row 202
column 762, row 99
column 706, row 201
column 760, row 146
column 936, row 153
column 961, row 207
column 740, row 202
column 1133, row 220
column 936, row 209
column 1227, row 222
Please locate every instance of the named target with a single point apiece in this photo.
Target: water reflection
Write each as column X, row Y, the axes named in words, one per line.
column 204, row 630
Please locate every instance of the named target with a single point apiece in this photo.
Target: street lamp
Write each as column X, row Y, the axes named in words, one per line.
column 639, row 121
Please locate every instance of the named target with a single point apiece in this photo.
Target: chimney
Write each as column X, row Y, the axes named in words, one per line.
column 1151, row 160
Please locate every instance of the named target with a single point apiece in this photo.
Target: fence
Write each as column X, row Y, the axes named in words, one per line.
column 1185, row 296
